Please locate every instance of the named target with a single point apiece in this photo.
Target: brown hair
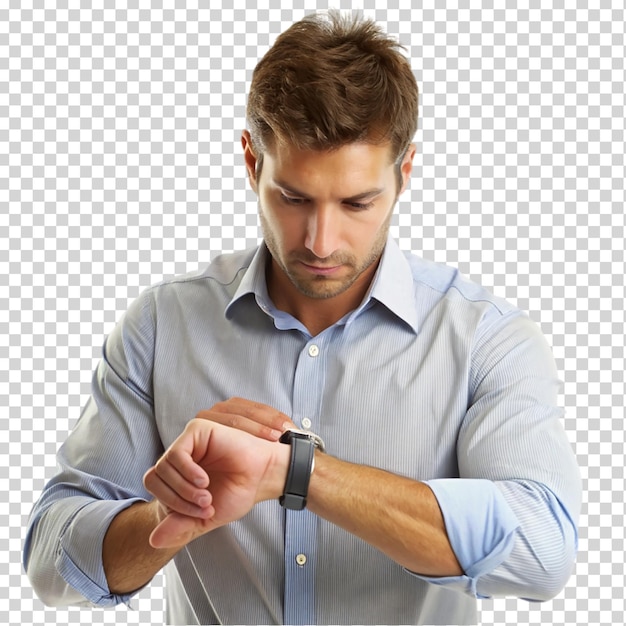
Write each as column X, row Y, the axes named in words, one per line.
column 330, row 80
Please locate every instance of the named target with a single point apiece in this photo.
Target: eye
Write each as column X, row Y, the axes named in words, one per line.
column 360, row 206
column 291, row 200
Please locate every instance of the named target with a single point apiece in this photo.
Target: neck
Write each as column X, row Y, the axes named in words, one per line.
column 316, row 314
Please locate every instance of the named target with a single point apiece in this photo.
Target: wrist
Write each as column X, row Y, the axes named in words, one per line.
column 276, row 474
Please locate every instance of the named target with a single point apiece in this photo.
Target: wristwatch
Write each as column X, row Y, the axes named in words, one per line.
column 303, row 444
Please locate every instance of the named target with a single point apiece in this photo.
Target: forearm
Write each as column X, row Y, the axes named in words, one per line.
column 397, row 515
column 63, row 549
column 129, row 561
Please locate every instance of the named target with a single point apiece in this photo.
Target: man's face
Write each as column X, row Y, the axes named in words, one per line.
column 325, row 215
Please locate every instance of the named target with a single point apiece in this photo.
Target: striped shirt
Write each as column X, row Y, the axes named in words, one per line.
column 431, row 377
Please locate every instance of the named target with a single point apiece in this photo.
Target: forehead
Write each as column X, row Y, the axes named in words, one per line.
column 350, row 161
column 283, row 148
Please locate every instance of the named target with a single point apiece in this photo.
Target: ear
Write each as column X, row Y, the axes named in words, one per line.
column 250, row 158
column 407, row 165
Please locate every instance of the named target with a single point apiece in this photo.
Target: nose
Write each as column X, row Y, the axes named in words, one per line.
column 322, row 237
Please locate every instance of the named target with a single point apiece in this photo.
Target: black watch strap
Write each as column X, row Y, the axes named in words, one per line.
column 300, row 468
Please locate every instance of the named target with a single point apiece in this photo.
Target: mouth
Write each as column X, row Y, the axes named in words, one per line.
column 321, row 270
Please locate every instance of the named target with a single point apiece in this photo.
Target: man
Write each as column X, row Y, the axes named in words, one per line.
column 445, row 475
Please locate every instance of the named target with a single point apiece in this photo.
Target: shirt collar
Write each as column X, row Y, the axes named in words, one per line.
column 392, row 286
column 253, row 282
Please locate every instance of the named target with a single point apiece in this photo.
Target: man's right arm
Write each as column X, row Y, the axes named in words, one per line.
column 101, row 467
column 240, row 480
column 129, row 561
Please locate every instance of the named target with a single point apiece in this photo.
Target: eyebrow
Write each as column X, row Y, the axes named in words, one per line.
column 370, row 193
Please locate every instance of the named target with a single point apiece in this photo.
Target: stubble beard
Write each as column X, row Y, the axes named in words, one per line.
column 323, row 287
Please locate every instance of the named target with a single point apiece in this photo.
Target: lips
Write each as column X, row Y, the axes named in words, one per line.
column 321, row 270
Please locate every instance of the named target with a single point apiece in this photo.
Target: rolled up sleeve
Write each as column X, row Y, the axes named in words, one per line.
column 100, row 471
column 511, row 516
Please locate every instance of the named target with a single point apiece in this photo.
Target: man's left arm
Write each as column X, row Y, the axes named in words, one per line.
column 514, row 459
column 507, row 524
column 460, row 533
column 397, row 515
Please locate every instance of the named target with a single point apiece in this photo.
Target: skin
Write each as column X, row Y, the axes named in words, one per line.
column 325, row 219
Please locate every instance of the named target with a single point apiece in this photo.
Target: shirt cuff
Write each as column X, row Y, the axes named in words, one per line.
column 79, row 555
column 480, row 525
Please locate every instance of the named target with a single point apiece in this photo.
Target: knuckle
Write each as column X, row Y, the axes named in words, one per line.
column 148, row 478
column 234, row 421
column 163, row 463
column 266, row 431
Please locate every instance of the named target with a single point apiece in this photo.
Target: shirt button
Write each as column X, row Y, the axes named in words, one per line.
column 313, row 350
column 306, row 423
column 301, row 559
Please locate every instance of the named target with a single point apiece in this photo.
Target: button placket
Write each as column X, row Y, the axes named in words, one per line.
column 301, row 526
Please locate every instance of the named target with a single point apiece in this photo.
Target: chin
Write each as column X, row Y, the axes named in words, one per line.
column 321, row 289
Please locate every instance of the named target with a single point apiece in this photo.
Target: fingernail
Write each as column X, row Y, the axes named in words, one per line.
column 203, row 501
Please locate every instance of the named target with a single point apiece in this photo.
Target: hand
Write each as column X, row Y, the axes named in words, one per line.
column 210, row 476
column 255, row 418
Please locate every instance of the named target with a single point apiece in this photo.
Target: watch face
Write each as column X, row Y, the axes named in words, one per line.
column 302, row 434
column 287, row 436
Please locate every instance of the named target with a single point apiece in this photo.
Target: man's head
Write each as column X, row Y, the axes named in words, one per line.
column 332, row 112
column 331, row 80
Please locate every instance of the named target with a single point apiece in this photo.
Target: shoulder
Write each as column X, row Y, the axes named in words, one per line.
column 491, row 324
column 447, row 299
column 168, row 302
column 215, row 283
column 446, row 283
column 499, row 335
column 224, row 270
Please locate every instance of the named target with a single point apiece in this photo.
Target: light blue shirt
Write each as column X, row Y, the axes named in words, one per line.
column 431, row 377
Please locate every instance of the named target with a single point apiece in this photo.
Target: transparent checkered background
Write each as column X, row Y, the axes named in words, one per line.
column 120, row 165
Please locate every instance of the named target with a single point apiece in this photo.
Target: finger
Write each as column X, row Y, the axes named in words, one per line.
column 256, row 418
column 188, row 450
column 265, row 414
column 180, row 464
column 177, row 480
column 198, row 507
column 166, row 470
column 256, row 411
column 235, row 420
